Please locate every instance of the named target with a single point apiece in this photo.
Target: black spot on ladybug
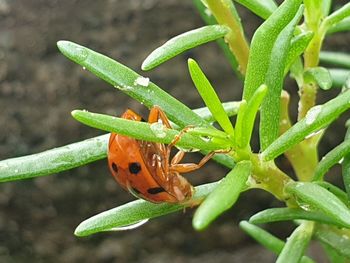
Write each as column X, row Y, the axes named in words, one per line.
column 115, row 167
column 155, row 190
column 134, row 168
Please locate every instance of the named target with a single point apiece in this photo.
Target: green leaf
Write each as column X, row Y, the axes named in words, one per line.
column 231, row 109
column 343, row 25
column 54, row 160
column 240, row 122
column 346, row 165
column 317, row 118
column 334, row 190
column 210, row 20
column 297, row 47
column 330, row 159
column 332, row 254
column 337, row 16
column 326, row 7
column 126, row 80
column 223, row 197
column 270, row 107
column 261, row 8
column 134, row 212
column 335, row 238
column 296, row 244
column 183, row 42
column 262, row 45
column 335, row 58
column 269, row 241
column 209, row 96
column 285, row 214
column 250, row 115
column 315, row 197
column 143, row 131
column 80, row 153
column 319, row 75
column 340, row 77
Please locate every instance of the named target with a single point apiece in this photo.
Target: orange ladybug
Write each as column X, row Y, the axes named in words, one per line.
column 145, row 169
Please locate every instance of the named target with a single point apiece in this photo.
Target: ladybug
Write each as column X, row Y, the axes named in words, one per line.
column 145, row 169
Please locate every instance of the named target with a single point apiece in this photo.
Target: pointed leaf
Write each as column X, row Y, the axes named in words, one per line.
column 209, row 96
column 296, row 245
column 142, row 131
column 134, row 212
column 330, row 159
column 270, row 107
column 183, row 42
column 285, row 214
column 261, row 8
column 269, row 241
column 319, row 75
column 262, row 44
column 335, row 238
column 317, row 118
column 126, row 80
column 317, row 198
column 223, row 197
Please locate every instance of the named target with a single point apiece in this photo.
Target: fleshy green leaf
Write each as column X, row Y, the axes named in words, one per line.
column 262, row 45
column 336, row 238
column 250, row 115
column 296, row 244
column 319, row 75
column 335, row 58
column 340, row 77
column 270, row 107
column 332, row 254
column 54, row 160
column 210, row 20
column 183, row 42
column 334, row 190
column 131, row 83
column 261, row 8
column 143, row 131
column 330, row 159
column 80, row 153
column 285, row 214
column 337, row 16
column 134, row 212
column 297, row 47
column 209, row 96
column 346, row 165
column 269, row 241
column 343, row 25
column 317, row 118
column 223, row 197
column 239, row 123
column 314, row 197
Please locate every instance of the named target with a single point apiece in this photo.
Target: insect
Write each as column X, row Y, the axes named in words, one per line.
column 145, row 169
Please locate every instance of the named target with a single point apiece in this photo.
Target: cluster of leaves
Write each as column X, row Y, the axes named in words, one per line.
column 281, row 45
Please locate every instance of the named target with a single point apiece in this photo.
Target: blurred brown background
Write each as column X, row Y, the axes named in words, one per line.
column 39, row 88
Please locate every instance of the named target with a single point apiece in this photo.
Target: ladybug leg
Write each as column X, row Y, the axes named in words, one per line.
column 157, row 114
column 189, row 167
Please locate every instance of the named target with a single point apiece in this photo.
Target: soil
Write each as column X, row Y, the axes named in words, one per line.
column 39, row 88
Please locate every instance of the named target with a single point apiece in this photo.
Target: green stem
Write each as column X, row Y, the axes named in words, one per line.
column 267, row 176
column 225, row 14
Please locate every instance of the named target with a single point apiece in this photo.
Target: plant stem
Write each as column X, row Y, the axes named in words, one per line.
column 225, row 14
column 269, row 177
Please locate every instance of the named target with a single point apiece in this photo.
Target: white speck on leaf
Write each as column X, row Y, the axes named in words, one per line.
column 312, row 114
column 142, row 81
